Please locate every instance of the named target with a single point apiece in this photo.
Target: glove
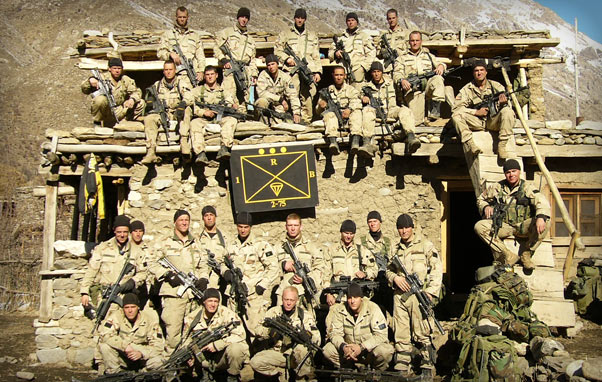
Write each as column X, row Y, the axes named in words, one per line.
column 274, row 336
column 201, row 284
column 228, row 276
column 127, row 286
column 259, row 289
column 172, row 279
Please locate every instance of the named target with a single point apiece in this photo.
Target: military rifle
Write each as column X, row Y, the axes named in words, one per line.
column 159, row 108
column 302, row 270
column 105, row 88
column 497, row 217
column 345, row 59
column 491, row 102
column 338, row 288
column 136, row 376
column 213, row 264
column 237, row 69
column 222, row 110
column 417, row 80
column 271, row 114
column 368, row 375
column 239, row 288
column 187, row 280
column 301, row 67
column 111, row 294
column 186, row 64
column 389, row 54
column 378, row 106
column 424, row 301
column 332, row 106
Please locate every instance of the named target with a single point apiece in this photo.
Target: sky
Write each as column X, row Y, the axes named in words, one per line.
column 588, row 14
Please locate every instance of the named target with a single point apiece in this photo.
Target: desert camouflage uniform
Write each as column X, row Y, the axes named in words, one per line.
column 346, row 262
column 361, row 51
column 190, row 43
column 271, row 93
column 218, row 245
column 401, row 114
column 348, row 98
column 398, row 40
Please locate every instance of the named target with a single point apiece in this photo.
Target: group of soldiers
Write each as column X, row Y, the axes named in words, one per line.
column 391, row 83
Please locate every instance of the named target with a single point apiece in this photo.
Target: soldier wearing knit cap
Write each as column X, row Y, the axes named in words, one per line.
column 213, row 241
column 419, row 256
column 380, row 246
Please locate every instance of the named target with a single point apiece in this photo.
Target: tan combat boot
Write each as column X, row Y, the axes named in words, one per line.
column 472, row 147
column 184, row 145
column 510, row 258
column 150, row 156
column 502, row 151
column 525, row 258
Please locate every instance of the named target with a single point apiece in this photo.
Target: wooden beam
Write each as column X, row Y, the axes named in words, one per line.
column 62, row 272
column 62, row 191
column 49, row 235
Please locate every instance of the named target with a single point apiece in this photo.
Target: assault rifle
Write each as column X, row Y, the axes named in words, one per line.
column 332, row 106
column 416, row 80
column 424, row 302
column 389, row 54
column 237, row 69
column 302, row 270
column 222, row 110
column 368, row 375
column 497, row 217
column 378, row 106
column 301, row 67
column 159, row 108
column 213, row 264
column 492, row 101
column 271, row 114
column 199, row 339
column 345, row 59
column 239, row 288
column 187, row 65
column 187, row 279
column 136, row 376
column 105, row 88
column 339, row 288
column 111, row 295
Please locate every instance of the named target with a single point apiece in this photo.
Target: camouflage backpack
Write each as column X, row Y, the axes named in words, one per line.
column 586, row 288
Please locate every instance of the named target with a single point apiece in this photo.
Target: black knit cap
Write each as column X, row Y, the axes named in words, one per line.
column 352, row 15
column 121, row 221
column 115, row 61
column 137, row 224
column 242, row 12
column 377, row 65
column 131, row 299
column 479, row 62
column 207, row 210
column 404, row 221
column 511, row 164
column 374, row 215
column 211, row 292
column 271, row 58
column 301, row 13
column 180, row 213
column 244, row 218
column 354, row 290
column 348, row 226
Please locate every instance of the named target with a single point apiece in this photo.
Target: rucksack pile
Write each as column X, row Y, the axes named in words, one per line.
column 586, row 288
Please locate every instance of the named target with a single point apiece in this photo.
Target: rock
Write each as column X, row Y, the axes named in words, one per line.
column 59, row 312
column 49, row 133
column 251, row 126
column 62, row 300
column 545, row 141
column 557, row 364
column 569, row 141
column 384, row 191
column 69, row 264
column 423, row 139
column 26, row 375
column 592, row 369
column 589, row 141
column 556, row 136
column 51, row 355
column 49, row 324
column 134, row 195
column 156, row 204
column 560, row 353
column 309, row 136
column 132, row 135
column 332, row 211
column 62, row 284
column 8, row 359
column 84, row 356
column 161, row 184
column 590, row 125
column 292, row 127
column 136, row 204
column 521, row 348
column 435, row 139
column 213, row 128
column 575, row 368
column 135, row 186
column 52, row 331
column 572, row 332
column 70, row 248
column 521, row 141
column 559, row 125
column 599, row 141
column 541, row 347
column 46, row 341
column 129, row 126
column 578, row 140
column 278, row 138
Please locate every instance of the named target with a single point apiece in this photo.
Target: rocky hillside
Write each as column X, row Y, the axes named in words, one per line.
column 40, row 84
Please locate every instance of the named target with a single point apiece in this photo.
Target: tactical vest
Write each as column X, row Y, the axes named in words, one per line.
column 519, row 208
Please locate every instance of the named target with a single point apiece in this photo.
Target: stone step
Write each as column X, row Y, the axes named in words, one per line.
column 555, row 312
column 544, row 283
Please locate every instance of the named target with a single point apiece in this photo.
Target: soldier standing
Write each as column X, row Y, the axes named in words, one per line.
column 128, row 98
column 419, row 256
column 213, row 240
column 517, row 208
column 305, row 44
column 189, row 42
column 395, row 36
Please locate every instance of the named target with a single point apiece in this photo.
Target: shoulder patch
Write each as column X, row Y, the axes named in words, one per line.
column 108, row 324
column 159, row 335
column 382, row 326
column 268, row 254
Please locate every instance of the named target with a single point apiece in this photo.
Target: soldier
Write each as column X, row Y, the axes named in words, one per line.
column 383, row 90
column 306, row 46
column 358, row 333
column 277, row 91
column 418, row 60
column 209, row 93
column 212, row 240
column 349, row 260
column 467, row 119
column 229, row 353
column 242, row 47
column 189, row 42
column 137, row 233
column 183, row 251
column 259, row 266
column 131, row 339
column 171, row 90
column 348, row 101
column 307, row 253
column 419, row 256
column 128, row 98
column 358, row 44
column 513, row 207
column 285, row 354
column 380, row 246
column 395, row 36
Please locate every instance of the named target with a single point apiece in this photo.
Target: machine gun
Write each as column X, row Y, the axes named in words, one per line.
column 417, row 81
column 301, row 67
column 424, row 302
column 302, row 270
column 239, row 288
column 222, row 110
column 368, row 375
column 105, row 88
column 389, row 54
column 237, row 69
column 271, row 114
column 111, row 295
column 491, row 102
column 339, row 288
column 199, row 339
column 187, row 279
column 186, row 64
column 332, row 106
column 345, row 59
column 159, row 108
column 136, row 376
column 378, row 106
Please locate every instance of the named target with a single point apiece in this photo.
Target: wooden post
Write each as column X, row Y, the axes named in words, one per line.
column 522, row 73
column 568, row 262
column 48, row 250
